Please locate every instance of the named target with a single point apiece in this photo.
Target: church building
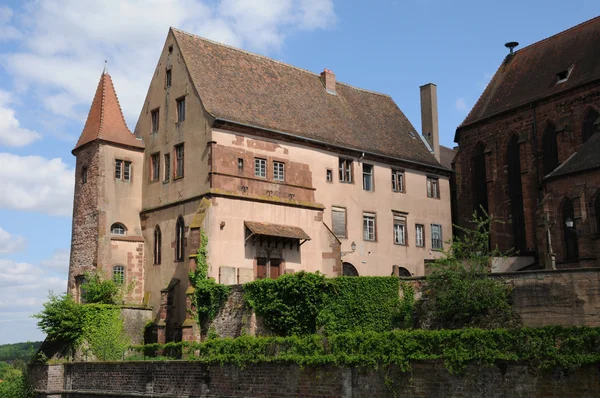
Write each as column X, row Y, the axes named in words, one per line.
column 283, row 169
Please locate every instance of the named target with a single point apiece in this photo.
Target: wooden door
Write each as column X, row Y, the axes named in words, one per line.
column 261, row 267
column 275, row 268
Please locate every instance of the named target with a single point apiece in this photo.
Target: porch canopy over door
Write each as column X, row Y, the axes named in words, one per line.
column 275, row 234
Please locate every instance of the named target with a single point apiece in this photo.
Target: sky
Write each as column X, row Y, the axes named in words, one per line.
column 52, row 53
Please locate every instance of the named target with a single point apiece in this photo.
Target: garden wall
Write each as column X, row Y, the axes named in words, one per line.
column 279, row 380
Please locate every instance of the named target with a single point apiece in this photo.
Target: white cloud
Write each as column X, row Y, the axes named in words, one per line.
column 65, row 42
column 10, row 243
column 11, row 132
column 36, row 183
column 7, row 32
column 59, row 261
column 461, row 105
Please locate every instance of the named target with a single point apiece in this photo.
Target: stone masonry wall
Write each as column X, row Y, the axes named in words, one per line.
column 280, row 380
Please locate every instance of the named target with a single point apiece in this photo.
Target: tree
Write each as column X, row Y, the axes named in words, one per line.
column 61, row 320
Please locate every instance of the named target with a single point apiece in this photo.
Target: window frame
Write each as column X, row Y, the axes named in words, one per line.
column 433, row 187
column 329, row 175
column 339, row 209
column 157, row 252
column 368, row 176
column 179, row 161
column 422, row 242
column 168, row 77
column 118, row 169
column 395, row 175
column 433, row 240
column 167, row 172
column 240, row 165
column 180, row 109
column 84, row 174
column 367, row 217
column 155, row 120
column 126, row 171
column 179, row 239
column 278, row 175
column 118, row 270
column 346, row 170
column 260, row 167
column 155, row 167
column 120, row 226
column 400, row 220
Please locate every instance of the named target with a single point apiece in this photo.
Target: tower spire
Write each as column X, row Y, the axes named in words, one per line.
column 105, row 71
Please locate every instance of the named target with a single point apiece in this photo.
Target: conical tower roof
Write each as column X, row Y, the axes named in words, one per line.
column 105, row 121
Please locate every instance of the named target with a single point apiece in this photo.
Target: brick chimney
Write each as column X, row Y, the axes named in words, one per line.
column 429, row 117
column 328, row 79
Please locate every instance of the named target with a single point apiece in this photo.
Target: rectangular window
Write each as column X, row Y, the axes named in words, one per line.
column 118, row 169
column 154, row 167
column 84, row 171
column 369, row 226
column 278, row 171
column 345, row 170
column 367, row 177
column 329, row 175
column 126, row 171
column 338, row 217
column 167, row 175
column 419, row 235
column 260, row 168
column 436, row 237
column 433, row 187
column 399, row 229
column 180, row 109
column 240, row 165
column 179, row 161
column 168, row 78
column 154, row 114
column 397, row 181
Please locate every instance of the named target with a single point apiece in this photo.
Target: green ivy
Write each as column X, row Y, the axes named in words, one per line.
column 103, row 331
column 543, row 348
column 209, row 296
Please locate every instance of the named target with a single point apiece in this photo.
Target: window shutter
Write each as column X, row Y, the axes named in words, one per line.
column 339, row 221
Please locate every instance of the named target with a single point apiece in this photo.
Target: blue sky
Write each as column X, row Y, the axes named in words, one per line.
column 52, row 54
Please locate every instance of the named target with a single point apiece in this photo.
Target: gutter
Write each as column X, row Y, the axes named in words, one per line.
column 323, row 143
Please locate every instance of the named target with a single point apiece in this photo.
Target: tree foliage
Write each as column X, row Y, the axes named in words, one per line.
column 99, row 290
column 13, row 382
column 61, row 320
column 459, row 292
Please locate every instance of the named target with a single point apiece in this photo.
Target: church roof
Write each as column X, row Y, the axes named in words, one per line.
column 586, row 158
column 533, row 72
column 245, row 88
column 105, row 120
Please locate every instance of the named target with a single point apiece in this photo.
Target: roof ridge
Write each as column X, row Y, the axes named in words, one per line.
column 559, row 33
column 274, row 60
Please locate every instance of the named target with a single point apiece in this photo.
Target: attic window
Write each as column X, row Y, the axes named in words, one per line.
column 564, row 75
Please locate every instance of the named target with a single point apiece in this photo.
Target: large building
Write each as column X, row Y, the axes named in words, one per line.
column 529, row 155
column 283, row 169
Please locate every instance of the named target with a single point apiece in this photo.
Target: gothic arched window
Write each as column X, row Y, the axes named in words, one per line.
column 513, row 160
column 480, row 194
column 157, row 245
column 589, row 128
column 179, row 239
column 550, row 149
column 569, row 230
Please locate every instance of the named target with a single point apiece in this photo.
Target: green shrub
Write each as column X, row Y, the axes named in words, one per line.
column 103, row 331
column 98, row 290
column 61, row 320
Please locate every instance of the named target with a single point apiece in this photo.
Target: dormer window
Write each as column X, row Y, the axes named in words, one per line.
column 564, row 75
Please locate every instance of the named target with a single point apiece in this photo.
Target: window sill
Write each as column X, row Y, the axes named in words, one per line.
column 395, row 191
column 166, row 182
column 177, row 178
column 400, row 244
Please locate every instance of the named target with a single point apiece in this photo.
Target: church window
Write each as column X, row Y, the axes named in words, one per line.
column 180, row 109
column 480, row 194
column 569, row 225
column 118, row 229
column 513, row 155
column 179, row 239
column 157, row 245
column 179, row 161
column 589, row 125
column 550, row 149
column 119, row 274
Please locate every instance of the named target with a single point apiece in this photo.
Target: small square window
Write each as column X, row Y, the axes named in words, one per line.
column 154, row 114
column 260, row 168
column 154, row 167
column 329, row 175
column 433, row 187
column 369, row 226
column 278, row 171
column 167, row 175
column 180, row 109
column 168, row 78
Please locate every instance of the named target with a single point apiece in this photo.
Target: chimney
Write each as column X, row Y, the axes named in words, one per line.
column 429, row 117
column 328, row 79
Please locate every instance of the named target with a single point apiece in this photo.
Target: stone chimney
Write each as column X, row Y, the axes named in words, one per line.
column 429, row 117
column 328, row 79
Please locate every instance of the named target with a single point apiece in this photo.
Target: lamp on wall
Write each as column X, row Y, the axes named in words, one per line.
column 352, row 246
column 569, row 222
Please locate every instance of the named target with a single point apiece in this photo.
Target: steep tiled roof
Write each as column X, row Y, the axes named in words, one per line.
column 447, row 156
column 250, row 89
column 531, row 73
column 586, row 158
column 105, row 120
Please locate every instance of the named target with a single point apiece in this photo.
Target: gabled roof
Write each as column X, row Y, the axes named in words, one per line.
column 105, row 120
column 531, row 73
column 245, row 88
column 586, row 158
column 447, row 156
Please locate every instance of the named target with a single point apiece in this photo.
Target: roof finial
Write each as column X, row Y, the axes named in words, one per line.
column 105, row 71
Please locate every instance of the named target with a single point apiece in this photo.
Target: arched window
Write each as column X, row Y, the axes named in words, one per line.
column 550, row 149
column 513, row 159
column 349, row 270
column 179, row 239
column 157, row 245
column 589, row 128
column 597, row 212
column 119, row 274
column 569, row 230
column 480, row 194
column 403, row 272
column 118, row 229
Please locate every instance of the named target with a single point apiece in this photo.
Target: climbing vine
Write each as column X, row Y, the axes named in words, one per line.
column 209, row 296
